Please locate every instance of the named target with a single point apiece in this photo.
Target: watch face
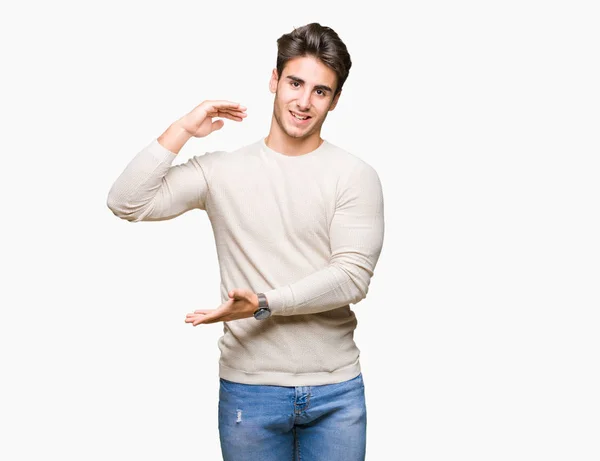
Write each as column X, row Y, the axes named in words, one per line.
column 262, row 314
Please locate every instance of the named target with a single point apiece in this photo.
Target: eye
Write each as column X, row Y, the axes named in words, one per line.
column 295, row 84
column 321, row 93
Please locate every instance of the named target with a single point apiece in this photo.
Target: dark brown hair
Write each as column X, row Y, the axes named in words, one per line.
column 319, row 41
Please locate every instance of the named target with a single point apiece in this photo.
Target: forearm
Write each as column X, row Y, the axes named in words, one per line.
column 335, row 286
column 150, row 188
column 346, row 278
column 174, row 138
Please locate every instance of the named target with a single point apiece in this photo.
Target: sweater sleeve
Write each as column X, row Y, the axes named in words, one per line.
column 151, row 189
column 356, row 238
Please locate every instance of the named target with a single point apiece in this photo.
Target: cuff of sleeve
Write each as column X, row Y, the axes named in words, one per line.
column 160, row 153
column 276, row 301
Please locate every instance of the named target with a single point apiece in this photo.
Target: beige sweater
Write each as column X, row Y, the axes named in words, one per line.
column 305, row 230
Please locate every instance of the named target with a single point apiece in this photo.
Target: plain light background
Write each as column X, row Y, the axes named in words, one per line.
column 479, row 335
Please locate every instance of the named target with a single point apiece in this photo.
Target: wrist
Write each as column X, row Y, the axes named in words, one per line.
column 263, row 311
column 174, row 137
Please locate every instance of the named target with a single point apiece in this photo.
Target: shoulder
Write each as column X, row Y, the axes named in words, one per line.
column 350, row 165
column 357, row 181
column 211, row 161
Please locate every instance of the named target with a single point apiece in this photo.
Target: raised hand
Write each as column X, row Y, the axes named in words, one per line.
column 199, row 122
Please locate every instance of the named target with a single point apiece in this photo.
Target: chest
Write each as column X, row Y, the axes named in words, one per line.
column 273, row 204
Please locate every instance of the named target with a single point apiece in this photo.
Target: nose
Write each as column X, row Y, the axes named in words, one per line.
column 303, row 101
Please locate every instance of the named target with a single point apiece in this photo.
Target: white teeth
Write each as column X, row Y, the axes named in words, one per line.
column 299, row 118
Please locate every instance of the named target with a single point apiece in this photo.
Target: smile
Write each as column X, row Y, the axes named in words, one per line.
column 300, row 117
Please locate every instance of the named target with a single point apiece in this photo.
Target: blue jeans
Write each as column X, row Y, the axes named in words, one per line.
column 303, row 423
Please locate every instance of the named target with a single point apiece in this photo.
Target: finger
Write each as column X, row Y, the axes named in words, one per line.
column 238, row 110
column 191, row 318
column 235, row 118
column 216, row 125
column 194, row 319
column 223, row 104
column 205, row 315
column 219, row 110
column 227, row 114
column 206, row 319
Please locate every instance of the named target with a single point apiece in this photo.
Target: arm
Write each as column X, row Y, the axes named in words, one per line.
column 150, row 189
column 356, row 235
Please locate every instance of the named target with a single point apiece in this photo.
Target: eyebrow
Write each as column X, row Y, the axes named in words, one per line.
column 317, row 87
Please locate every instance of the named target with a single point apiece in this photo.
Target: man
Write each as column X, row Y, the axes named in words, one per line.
column 298, row 226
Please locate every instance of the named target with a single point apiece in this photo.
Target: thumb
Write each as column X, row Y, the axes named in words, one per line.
column 216, row 125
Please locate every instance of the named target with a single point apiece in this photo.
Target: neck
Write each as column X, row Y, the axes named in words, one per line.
column 280, row 142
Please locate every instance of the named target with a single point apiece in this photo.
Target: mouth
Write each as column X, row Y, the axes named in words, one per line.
column 300, row 118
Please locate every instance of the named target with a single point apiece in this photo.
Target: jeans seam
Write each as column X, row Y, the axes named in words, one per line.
column 298, row 458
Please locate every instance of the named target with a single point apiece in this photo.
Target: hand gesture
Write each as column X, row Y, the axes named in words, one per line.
column 241, row 304
column 199, row 122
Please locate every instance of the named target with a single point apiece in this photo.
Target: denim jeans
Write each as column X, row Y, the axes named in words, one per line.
column 302, row 423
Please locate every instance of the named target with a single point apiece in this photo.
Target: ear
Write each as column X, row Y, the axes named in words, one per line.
column 273, row 81
column 335, row 101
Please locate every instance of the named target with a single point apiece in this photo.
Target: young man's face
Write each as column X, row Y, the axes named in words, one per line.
column 303, row 96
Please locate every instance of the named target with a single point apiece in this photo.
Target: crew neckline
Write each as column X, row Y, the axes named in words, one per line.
column 312, row 153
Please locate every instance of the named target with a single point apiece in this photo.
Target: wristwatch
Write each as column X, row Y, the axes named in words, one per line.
column 263, row 310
